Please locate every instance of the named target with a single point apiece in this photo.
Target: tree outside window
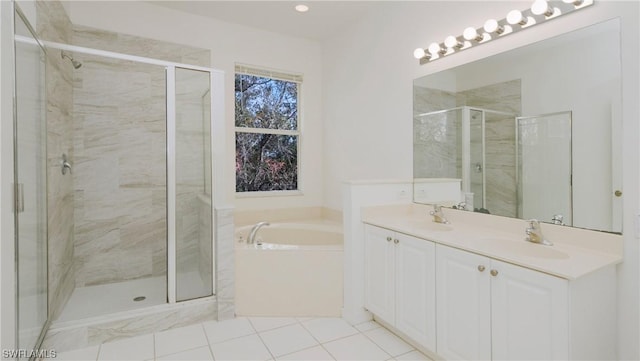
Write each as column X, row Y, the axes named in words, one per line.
column 267, row 133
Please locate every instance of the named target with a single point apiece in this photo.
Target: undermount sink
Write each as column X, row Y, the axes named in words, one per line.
column 433, row 226
column 523, row 248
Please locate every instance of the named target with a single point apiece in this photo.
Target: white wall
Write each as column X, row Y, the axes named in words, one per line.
column 358, row 195
column 368, row 77
column 230, row 43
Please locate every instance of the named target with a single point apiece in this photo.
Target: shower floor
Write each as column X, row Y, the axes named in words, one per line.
column 100, row 300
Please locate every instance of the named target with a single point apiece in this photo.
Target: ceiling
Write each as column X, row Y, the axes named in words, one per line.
column 323, row 20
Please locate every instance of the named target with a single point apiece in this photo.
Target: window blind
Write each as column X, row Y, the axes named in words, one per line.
column 267, row 73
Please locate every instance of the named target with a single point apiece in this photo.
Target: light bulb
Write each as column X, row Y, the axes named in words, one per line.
column 435, row 48
column 301, row 8
column 419, row 53
column 451, row 42
column 515, row 17
column 471, row 34
column 540, row 7
column 492, row 26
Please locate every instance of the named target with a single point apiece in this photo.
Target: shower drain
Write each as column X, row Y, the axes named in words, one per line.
column 139, row 298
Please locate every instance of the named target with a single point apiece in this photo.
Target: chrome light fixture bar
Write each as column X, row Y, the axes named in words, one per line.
column 516, row 20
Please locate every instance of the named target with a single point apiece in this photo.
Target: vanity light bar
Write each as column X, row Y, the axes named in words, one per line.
column 540, row 11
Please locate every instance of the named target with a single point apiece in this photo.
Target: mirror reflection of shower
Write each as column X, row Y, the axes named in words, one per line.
column 76, row 64
column 496, row 162
column 461, row 144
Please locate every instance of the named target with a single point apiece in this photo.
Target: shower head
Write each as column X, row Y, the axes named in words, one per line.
column 76, row 64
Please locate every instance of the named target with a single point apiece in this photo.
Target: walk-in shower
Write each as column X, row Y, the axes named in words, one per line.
column 122, row 177
column 462, row 143
column 504, row 164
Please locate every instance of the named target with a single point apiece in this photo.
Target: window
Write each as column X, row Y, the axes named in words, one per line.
column 267, row 130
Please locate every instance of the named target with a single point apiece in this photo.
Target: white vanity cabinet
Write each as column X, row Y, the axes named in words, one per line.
column 496, row 296
column 489, row 309
column 400, row 283
column 463, row 299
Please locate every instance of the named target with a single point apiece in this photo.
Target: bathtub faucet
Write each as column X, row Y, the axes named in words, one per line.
column 254, row 231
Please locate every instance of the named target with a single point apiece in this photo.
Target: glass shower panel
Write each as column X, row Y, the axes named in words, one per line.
column 438, row 140
column 31, row 178
column 437, row 154
column 544, row 167
column 194, row 238
column 476, row 157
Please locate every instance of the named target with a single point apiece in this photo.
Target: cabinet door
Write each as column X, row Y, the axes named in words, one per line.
column 463, row 303
column 415, row 289
column 529, row 314
column 379, row 272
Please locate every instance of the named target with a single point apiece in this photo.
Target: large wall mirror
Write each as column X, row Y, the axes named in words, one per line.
column 533, row 132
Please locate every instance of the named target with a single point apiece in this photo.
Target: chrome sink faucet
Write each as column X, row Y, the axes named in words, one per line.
column 534, row 233
column 438, row 215
column 254, row 231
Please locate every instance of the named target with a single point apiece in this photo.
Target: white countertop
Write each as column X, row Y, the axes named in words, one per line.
column 575, row 252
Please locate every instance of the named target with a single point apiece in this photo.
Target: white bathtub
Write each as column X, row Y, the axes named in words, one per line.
column 296, row 271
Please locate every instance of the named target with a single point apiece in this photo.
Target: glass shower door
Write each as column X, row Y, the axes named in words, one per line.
column 31, row 187
column 194, row 237
column 544, row 167
column 438, row 155
column 476, row 159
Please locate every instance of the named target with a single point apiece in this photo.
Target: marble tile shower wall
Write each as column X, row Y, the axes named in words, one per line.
column 134, row 45
column 120, row 139
column 435, row 138
column 120, row 171
column 500, row 166
column 53, row 24
column 504, row 97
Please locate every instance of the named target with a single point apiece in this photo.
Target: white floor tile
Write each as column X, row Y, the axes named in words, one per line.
column 389, row 342
column 356, row 347
column 197, row 354
column 366, row 326
column 310, row 354
column 269, row 323
column 329, row 329
column 180, row 339
column 133, row 348
column 88, row 353
column 288, row 339
column 227, row 329
column 243, row 348
column 413, row 356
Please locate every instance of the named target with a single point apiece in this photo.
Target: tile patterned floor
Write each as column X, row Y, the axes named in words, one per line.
column 258, row 338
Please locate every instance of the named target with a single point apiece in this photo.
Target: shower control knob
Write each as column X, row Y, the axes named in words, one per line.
column 389, row 239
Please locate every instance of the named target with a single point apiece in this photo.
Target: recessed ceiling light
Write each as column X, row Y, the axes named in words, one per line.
column 302, row 8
